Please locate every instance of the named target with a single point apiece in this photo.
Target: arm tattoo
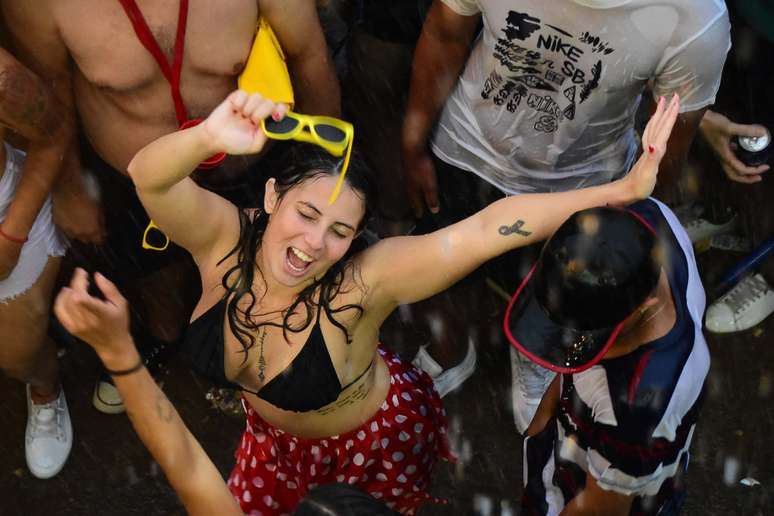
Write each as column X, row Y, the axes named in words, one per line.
column 164, row 408
column 515, row 228
column 26, row 105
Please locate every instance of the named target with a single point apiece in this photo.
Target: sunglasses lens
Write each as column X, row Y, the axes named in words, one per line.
column 155, row 238
column 330, row 133
column 284, row 126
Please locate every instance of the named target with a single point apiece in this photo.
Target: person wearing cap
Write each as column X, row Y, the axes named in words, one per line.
column 614, row 306
column 542, row 98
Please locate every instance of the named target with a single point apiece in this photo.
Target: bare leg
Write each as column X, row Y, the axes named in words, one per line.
column 27, row 354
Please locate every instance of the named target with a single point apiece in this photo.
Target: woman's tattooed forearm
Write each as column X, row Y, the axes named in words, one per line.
column 164, row 409
column 515, row 228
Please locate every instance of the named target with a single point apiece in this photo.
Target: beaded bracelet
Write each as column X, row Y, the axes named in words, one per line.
column 123, row 372
column 13, row 239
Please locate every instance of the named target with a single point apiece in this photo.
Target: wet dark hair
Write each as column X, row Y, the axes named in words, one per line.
column 304, row 162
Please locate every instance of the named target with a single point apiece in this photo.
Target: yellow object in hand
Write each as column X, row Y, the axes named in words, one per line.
column 266, row 72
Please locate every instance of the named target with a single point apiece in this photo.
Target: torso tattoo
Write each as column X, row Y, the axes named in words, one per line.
column 358, row 394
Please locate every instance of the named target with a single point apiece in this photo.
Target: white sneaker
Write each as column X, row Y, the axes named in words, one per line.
column 529, row 383
column 450, row 379
column 106, row 397
column 49, row 436
column 742, row 307
column 701, row 231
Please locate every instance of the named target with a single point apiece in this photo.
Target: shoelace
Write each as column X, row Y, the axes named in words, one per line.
column 46, row 420
column 746, row 292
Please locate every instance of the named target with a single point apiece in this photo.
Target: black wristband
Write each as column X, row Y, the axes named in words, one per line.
column 123, row 372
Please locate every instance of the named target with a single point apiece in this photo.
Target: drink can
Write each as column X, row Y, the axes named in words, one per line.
column 754, row 150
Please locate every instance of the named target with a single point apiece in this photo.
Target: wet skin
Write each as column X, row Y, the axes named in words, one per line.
column 303, row 220
column 122, row 98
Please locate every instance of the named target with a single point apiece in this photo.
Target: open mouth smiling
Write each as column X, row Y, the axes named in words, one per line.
column 297, row 260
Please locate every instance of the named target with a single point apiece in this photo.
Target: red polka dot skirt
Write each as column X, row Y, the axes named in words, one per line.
column 390, row 456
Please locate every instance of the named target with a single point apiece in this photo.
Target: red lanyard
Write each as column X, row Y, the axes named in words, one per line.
column 172, row 74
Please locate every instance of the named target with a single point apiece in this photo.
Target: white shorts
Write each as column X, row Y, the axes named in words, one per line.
column 43, row 241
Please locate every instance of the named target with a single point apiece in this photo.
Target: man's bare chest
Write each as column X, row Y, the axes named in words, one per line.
column 108, row 53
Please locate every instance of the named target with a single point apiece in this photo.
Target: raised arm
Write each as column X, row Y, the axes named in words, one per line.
column 202, row 222
column 104, row 325
column 440, row 54
column 298, row 30
column 408, row 269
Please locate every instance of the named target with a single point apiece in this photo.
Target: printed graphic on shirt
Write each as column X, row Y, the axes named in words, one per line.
column 551, row 75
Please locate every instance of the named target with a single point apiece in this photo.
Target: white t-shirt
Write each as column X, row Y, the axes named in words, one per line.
column 548, row 95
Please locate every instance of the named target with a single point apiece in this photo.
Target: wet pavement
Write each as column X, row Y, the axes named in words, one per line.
column 110, row 472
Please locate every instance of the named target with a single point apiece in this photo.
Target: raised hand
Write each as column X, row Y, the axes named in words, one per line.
column 642, row 176
column 235, row 125
column 103, row 324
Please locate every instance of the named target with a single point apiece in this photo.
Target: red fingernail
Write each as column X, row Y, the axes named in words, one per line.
column 275, row 116
column 651, row 149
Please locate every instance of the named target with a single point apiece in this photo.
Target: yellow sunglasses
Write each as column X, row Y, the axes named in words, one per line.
column 153, row 238
column 332, row 134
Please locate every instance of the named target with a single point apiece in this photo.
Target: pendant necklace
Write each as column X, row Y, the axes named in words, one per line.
column 261, row 360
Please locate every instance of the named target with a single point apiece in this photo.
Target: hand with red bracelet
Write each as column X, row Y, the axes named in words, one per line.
column 10, row 249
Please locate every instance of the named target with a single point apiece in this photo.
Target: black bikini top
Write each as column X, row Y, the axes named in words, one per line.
column 308, row 383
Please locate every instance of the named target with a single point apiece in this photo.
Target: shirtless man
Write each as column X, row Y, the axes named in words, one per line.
column 91, row 53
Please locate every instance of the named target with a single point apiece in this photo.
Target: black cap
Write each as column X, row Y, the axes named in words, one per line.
column 597, row 268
